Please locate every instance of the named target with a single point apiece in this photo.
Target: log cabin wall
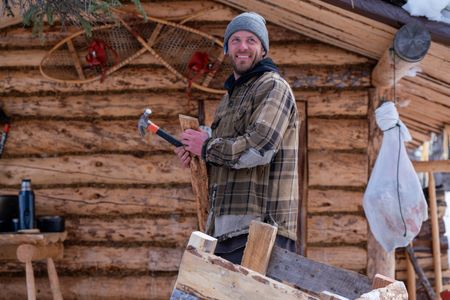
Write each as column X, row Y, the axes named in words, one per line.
column 128, row 204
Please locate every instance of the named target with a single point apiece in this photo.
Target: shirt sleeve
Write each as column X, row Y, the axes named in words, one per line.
column 263, row 136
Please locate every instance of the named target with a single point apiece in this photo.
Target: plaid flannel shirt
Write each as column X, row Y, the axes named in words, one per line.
column 259, row 116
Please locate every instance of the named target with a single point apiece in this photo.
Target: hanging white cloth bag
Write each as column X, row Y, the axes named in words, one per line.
column 394, row 203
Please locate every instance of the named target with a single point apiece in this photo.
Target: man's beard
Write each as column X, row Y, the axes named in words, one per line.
column 240, row 70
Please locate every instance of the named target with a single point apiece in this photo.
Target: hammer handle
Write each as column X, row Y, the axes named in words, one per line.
column 169, row 138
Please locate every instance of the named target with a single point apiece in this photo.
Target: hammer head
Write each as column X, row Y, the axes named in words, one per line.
column 144, row 122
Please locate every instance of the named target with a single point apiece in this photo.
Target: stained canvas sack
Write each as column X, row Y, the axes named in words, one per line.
column 394, row 203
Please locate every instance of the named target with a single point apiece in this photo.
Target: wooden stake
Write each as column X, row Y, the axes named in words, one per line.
column 435, row 233
column 199, row 176
column 261, row 239
column 411, row 278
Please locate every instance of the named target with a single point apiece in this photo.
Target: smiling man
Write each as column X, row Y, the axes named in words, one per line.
column 252, row 153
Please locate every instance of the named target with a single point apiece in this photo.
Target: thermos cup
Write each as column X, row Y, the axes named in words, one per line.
column 26, row 206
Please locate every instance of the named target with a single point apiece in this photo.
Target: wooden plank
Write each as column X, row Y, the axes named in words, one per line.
column 347, row 229
column 347, row 257
column 432, row 166
column 112, row 201
column 173, row 230
column 92, row 259
column 334, row 200
column 94, row 287
column 130, row 104
column 282, row 54
column 331, row 296
column 108, row 168
column 315, row 277
column 338, row 134
column 38, row 137
column 334, row 103
column 27, row 81
column 337, row 169
column 261, row 238
column 207, row 276
column 199, row 176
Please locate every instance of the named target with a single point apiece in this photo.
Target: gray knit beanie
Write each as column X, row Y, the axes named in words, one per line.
column 248, row 21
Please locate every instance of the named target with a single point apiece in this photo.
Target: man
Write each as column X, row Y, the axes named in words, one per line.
column 252, row 153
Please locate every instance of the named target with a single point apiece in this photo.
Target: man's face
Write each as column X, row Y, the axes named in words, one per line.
column 245, row 51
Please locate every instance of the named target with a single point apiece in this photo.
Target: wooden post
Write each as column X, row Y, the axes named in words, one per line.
column 378, row 260
column 410, row 45
column 435, row 233
column 423, row 279
column 411, row 277
column 199, row 176
column 383, row 73
column 261, row 239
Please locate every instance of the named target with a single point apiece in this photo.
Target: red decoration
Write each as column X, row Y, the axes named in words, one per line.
column 97, row 56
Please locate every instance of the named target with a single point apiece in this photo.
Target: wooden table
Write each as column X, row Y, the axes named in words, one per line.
column 29, row 247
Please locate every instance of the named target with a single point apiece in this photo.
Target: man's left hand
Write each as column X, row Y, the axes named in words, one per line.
column 193, row 140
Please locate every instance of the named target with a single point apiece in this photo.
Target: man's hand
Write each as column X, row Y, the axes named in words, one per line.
column 184, row 156
column 193, row 140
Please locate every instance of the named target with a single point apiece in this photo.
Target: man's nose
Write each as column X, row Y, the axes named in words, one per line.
column 243, row 46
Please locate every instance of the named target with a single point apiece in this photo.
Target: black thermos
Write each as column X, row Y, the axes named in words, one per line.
column 26, row 206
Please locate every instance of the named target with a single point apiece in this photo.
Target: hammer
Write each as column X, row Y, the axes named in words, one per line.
column 145, row 125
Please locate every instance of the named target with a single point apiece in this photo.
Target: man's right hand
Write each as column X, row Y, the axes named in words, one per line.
column 184, row 156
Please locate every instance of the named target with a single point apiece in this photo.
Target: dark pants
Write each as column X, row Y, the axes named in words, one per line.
column 232, row 249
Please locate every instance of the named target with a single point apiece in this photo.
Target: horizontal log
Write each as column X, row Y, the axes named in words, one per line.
column 92, row 259
column 31, row 81
column 346, row 257
column 339, row 134
column 336, row 229
column 171, row 230
column 402, row 275
column 108, row 168
column 93, row 287
column 330, row 77
column 130, row 78
column 290, row 54
column 334, row 201
column 335, row 103
column 89, row 201
column 38, row 137
column 437, row 166
column 337, row 169
column 16, row 38
column 425, row 261
column 101, row 106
